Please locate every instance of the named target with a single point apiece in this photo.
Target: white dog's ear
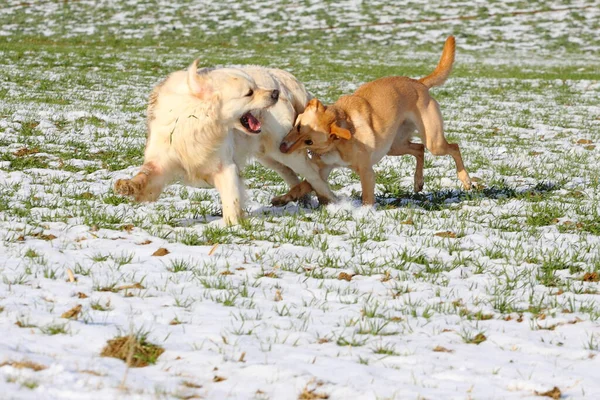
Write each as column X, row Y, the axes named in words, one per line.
column 198, row 85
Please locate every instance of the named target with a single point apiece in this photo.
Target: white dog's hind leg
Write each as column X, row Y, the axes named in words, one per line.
column 231, row 188
column 285, row 172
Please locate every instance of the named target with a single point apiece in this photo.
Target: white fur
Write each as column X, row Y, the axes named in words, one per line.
column 195, row 134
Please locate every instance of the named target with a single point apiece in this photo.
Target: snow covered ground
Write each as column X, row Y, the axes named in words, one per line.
column 491, row 294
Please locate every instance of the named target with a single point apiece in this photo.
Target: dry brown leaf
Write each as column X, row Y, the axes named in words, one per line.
column 128, row 227
column 73, row 313
column 591, row 277
column 446, row 234
column 134, row 286
column 160, row 252
column 344, row 276
column 441, row 349
column 553, row 393
column 191, row 385
column 25, row 152
column 584, row 141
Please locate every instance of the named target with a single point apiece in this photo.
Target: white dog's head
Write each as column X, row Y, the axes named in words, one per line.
column 237, row 93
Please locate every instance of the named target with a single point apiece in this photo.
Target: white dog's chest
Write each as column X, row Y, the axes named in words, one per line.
column 333, row 158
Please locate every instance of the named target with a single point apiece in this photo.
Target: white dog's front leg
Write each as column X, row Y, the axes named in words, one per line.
column 231, row 188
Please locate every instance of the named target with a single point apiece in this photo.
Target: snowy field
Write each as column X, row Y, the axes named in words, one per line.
column 488, row 294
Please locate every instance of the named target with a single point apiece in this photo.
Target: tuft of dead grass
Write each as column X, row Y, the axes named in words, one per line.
column 446, row 234
column 24, row 364
column 312, row 394
column 135, row 350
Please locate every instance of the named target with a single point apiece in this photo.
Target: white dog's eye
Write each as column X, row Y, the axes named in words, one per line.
column 250, row 93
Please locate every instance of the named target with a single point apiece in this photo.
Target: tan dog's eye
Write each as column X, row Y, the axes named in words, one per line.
column 308, row 142
column 250, row 93
column 298, row 127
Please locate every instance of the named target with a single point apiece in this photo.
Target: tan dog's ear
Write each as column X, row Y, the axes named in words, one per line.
column 339, row 133
column 197, row 85
column 316, row 104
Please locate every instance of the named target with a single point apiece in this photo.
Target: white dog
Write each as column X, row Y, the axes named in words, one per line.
column 195, row 124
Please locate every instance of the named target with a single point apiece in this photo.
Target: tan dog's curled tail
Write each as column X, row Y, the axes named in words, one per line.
column 444, row 67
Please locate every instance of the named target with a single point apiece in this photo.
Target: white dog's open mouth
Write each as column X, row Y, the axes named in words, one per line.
column 250, row 122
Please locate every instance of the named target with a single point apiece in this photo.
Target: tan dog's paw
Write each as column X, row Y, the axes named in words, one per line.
column 323, row 201
column 126, row 187
column 419, row 187
column 279, row 201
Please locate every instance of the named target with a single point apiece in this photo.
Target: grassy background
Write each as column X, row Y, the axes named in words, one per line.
column 522, row 102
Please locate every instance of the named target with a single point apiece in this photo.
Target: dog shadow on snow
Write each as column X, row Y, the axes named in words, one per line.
column 431, row 201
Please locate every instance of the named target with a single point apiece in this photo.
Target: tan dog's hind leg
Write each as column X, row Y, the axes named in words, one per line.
column 418, row 151
column 147, row 185
column 229, row 184
column 436, row 143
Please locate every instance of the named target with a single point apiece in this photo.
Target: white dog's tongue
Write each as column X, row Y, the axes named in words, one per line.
column 253, row 122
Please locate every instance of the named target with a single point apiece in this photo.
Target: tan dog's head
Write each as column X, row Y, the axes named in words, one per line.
column 315, row 129
column 237, row 93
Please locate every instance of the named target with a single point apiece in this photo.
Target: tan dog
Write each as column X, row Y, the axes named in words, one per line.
column 203, row 126
column 378, row 119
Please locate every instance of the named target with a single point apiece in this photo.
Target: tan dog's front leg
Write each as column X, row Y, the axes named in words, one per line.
column 295, row 193
column 367, row 182
column 230, row 187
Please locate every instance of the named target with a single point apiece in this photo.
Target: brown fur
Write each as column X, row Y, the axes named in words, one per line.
column 378, row 119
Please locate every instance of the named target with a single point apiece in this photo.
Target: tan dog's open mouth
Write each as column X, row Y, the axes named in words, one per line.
column 250, row 122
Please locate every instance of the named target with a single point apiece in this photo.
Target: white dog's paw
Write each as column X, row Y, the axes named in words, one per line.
column 126, row 187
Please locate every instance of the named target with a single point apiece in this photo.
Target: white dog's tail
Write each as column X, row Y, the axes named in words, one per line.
column 444, row 67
